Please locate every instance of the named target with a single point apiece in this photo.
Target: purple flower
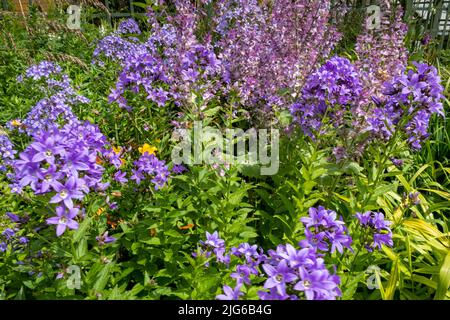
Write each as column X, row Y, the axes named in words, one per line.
column 323, row 229
column 23, row 240
column 7, row 152
column 376, row 230
column 120, row 177
column 13, row 217
column 178, row 169
column 149, row 165
column 215, row 245
column 414, row 197
column 318, row 284
column 128, row 26
column 8, row 233
column 278, row 276
column 64, row 219
column 328, row 93
column 104, row 239
column 230, row 293
column 67, row 192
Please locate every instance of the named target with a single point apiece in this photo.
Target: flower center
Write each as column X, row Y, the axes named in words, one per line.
column 278, row 277
column 62, row 220
column 48, row 177
column 48, row 153
column 63, row 194
column 307, row 284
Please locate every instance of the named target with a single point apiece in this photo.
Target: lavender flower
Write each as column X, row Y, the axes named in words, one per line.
column 215, row 245
column 64, row 219
column 104, row 239
column 230, row 293
column 328, row 93
column 279, row 276
column 128, row 26
column 149, row 165
column 323, row 229
column 178, row 169
column 7, row 152
column 376, row 230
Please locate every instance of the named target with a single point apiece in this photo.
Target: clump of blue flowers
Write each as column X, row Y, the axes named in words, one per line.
column 376, row 230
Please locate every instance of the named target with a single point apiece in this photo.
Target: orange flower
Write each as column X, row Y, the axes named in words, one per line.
column 100, row 211
column 188, row 226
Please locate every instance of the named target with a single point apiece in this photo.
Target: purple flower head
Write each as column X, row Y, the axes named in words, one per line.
column 323, row 230
column 329, row 92
column 104, row 239
column 178, row 169
column 278, row 276
column 376, row 230
column 215, row 245
column 416, row 95
column 230, row 293
column 7, row 152
column 64, row 219
column 13, row 217
column 8, row 233
column 67, row 192
column 414, row 197
column 120, row 177
column 318, row 284
column 128, row 26
column 149, row 165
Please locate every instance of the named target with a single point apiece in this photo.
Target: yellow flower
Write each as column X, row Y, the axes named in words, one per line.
column 16, row 123
column 100, row 211
column 147, row 148
column 117, row 150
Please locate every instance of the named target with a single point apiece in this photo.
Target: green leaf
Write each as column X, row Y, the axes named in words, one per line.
column 444, row 279
column 103, row 277
column 392, row 283
column 82, row 229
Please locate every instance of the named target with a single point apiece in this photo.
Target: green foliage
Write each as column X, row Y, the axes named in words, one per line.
column 157, row 231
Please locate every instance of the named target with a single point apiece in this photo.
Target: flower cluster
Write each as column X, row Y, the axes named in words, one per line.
column 376, row 230
column 168, row 66
column 330, row 91
column 213, row 245
column 7, row 152
column 290, row 273
column 62, row 161
column 42, row 70
column 55, row 108
column 149, row 165
column 413, row 96
column 381, row 51
column 128, row 26
column 11, row 234
column 323, row 229
column 267, row 48
column 293, row 273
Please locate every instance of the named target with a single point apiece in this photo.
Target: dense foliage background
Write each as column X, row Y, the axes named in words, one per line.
column 92, row 206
